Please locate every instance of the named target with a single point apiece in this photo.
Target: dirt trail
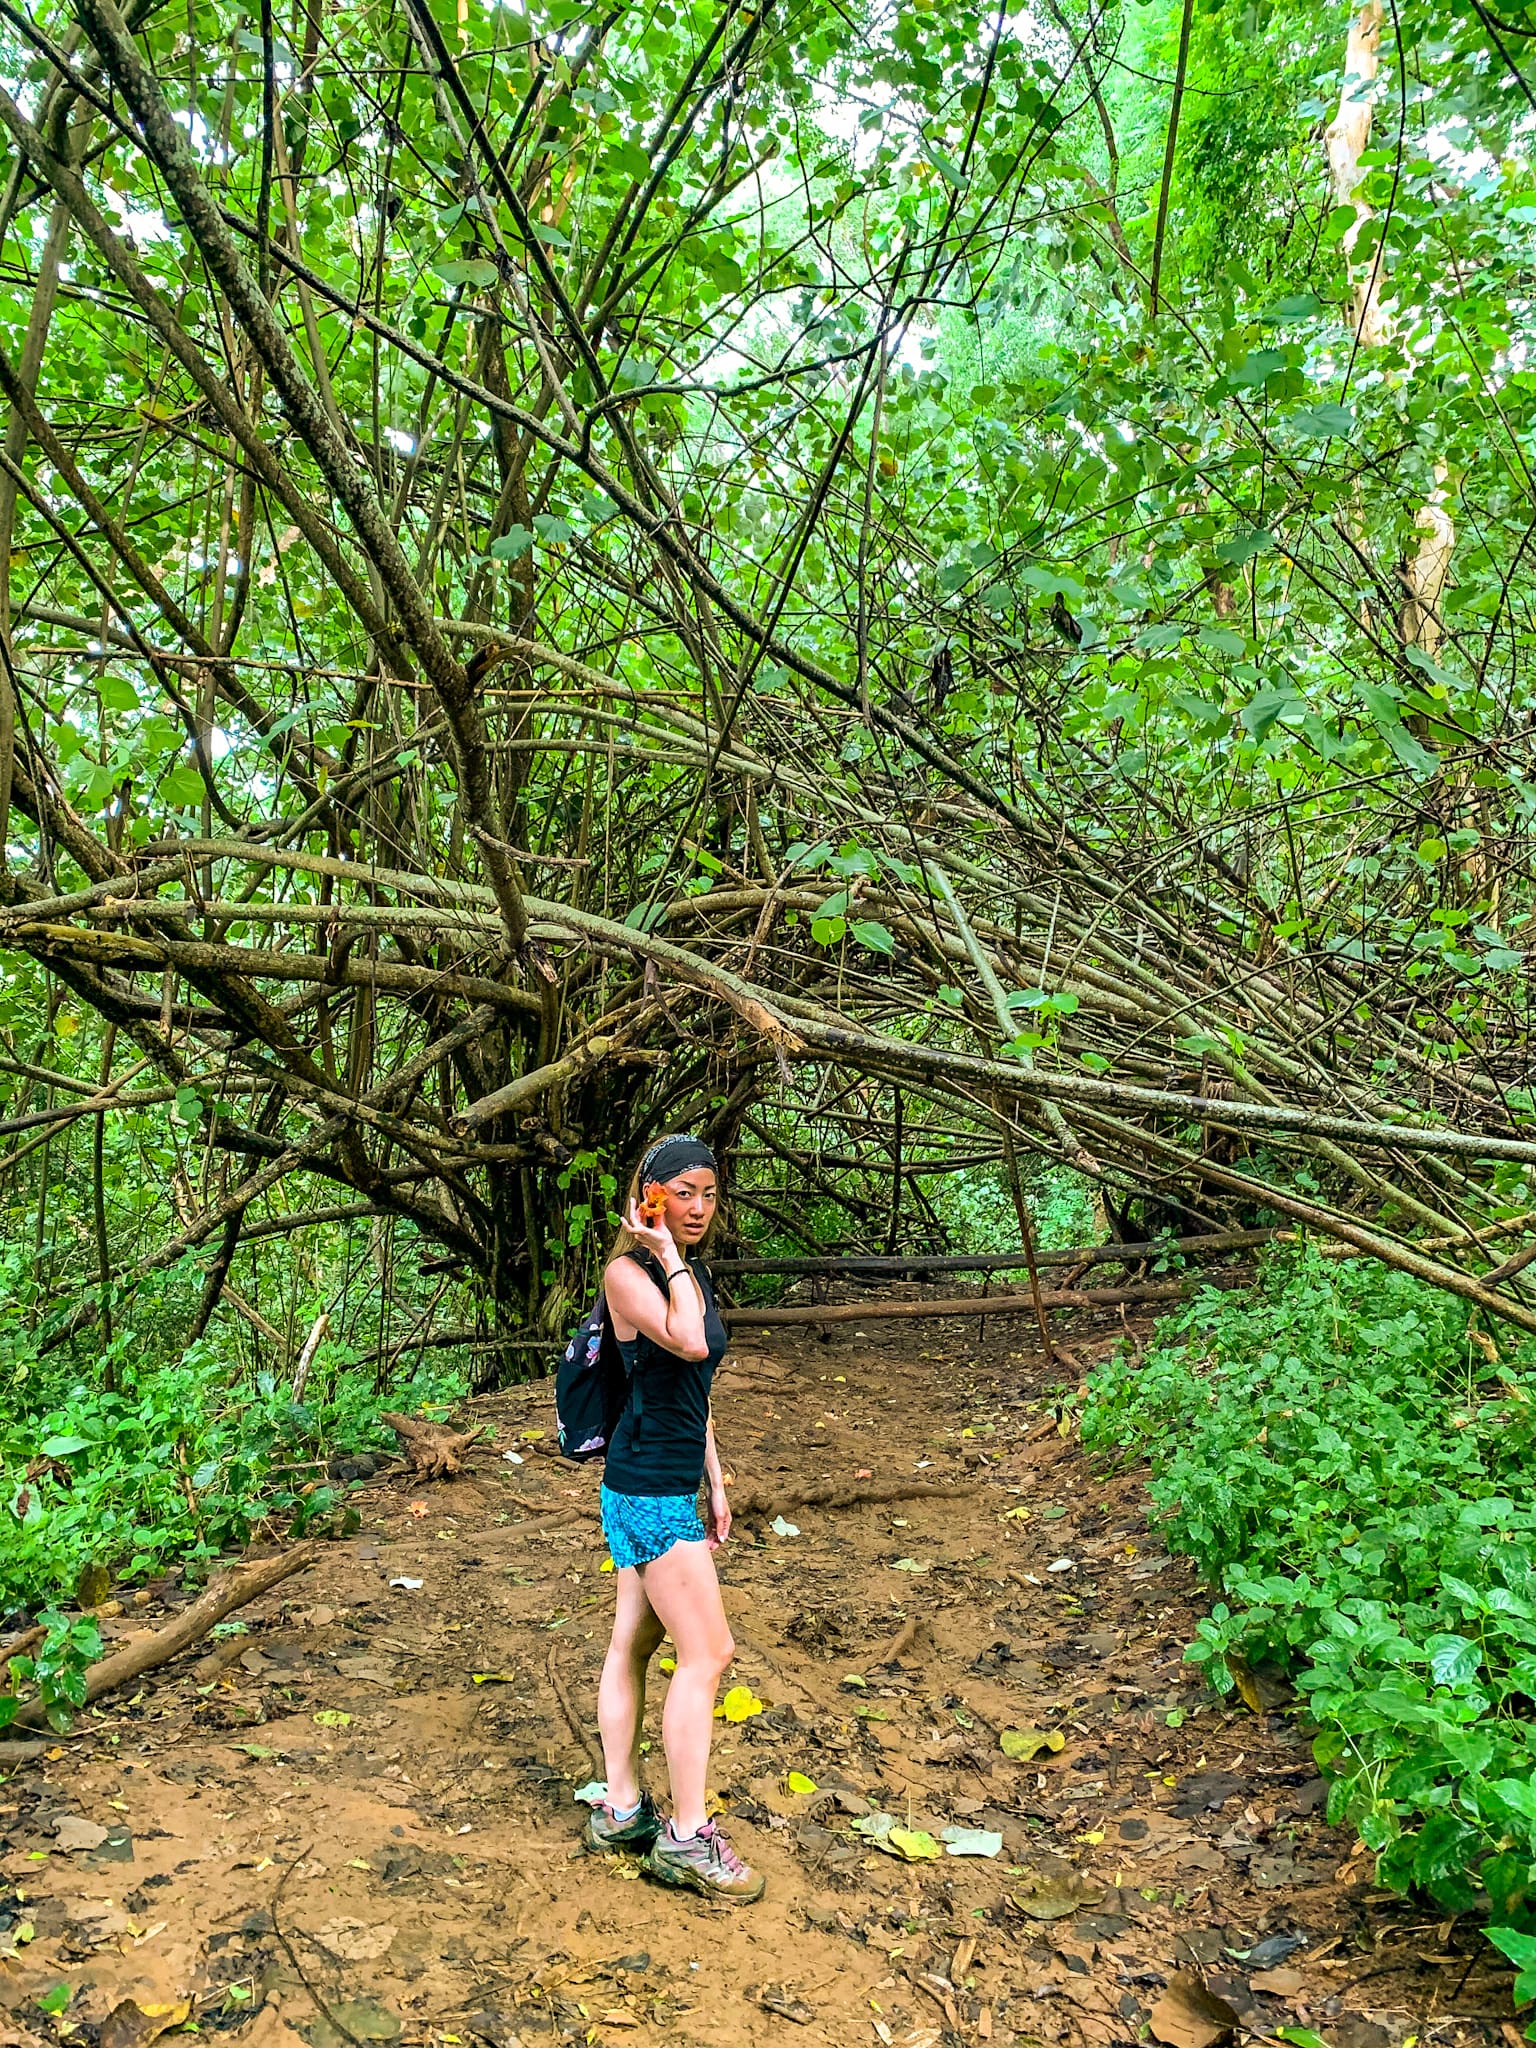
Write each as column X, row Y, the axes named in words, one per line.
column 365, row 1831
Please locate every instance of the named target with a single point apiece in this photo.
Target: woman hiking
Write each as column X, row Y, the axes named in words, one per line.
column 669, row 1332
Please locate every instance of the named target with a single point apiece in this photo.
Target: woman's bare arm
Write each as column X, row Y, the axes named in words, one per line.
column 674, row 1320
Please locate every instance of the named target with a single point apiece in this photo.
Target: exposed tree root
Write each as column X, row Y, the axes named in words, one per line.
column 842, row 1493
column 432, row 1451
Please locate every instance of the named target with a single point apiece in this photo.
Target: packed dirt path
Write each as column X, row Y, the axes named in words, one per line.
column 364, row 1830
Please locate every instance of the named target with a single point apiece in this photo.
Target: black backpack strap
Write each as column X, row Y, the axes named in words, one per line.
column 649, row 1263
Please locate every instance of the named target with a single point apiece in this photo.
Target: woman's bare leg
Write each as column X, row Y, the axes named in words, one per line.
column 684, row 1593
column 621, row 1691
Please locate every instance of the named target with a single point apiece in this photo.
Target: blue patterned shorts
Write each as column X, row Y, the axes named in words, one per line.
column 640, row 1527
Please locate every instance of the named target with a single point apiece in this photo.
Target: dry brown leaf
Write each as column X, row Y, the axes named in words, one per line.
column 1283, row 1983
column 74, row 1831
column 1050, row 1894
column 131, row 2025
column 1189, row 2016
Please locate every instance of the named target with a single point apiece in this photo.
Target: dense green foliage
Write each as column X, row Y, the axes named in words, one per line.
column 148, row 1463
column 1350, row 1467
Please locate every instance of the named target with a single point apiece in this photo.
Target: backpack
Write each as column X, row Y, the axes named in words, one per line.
column 592, row 1380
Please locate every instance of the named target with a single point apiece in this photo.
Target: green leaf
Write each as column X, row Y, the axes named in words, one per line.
column 1220, row 640
column 182, row 787
column 56, row 2000
column 1453, row 1660
column 873, row 935
column 1049, row 584
column 1256, row 368
column 1240, row 548
column 1520, row 1949
column 64, row 1446
column 512, row 545
column 475, row 270
column 1446, row 677
column 1323, row 422
column 118, row 693
column 1262, row 710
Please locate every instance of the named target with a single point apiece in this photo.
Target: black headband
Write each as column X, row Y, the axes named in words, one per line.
column 673, row 1155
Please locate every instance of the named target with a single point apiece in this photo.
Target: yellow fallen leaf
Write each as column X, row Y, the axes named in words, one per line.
column 739, row 1704
column 605, row 1566
column 1093, row 1837
column 1021, row 1744
column 493, row 1677
column 668, row 1664
column 916, row 1845
column 797, row 1781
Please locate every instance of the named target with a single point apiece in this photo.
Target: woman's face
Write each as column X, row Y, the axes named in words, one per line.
column 691, row 1201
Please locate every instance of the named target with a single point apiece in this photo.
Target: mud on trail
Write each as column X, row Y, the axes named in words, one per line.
column 364, row 1830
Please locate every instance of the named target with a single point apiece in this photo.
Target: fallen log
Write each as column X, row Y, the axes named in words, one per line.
column 844, row 1493
column 431, row 1450
column 226, row 1593
column 873, row 1266
column 1011, row 1304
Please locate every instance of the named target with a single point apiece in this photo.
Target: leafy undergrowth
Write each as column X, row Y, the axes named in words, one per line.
column 182, row 1461
column 1351, row 1466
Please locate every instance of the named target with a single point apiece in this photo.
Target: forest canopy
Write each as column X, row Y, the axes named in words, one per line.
column 942, row 596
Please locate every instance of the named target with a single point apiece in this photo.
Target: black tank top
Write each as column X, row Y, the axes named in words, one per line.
column 658, row 1442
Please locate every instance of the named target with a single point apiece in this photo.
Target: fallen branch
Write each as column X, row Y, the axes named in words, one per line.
column 594, row 1755
column 846, row 1493
column 537, row 1524
column 312, row 1344
column 1011, row 1304
column 226, row 1593
column 431, row 1451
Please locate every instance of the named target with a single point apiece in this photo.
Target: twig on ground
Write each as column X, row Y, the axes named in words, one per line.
column 298, row 1968
column 590, row 1749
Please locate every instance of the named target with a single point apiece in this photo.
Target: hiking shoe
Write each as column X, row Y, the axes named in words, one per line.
column 638, row 1832
column 704, row 1862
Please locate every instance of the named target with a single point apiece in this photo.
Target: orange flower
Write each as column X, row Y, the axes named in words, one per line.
column 653, row 1204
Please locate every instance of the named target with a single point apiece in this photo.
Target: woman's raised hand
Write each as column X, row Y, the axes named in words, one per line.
column 655, row 1237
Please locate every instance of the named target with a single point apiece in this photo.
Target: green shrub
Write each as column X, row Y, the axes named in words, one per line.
column 179, row 1464
column 1353, row 1472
